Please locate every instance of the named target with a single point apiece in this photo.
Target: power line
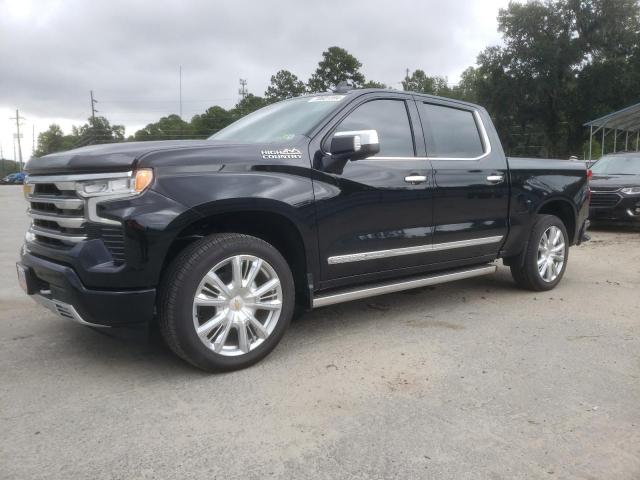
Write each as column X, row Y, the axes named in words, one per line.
column 150, row 100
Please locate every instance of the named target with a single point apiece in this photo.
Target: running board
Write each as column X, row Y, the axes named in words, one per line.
column 397, row 286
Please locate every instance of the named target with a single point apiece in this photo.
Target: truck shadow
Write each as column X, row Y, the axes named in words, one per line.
column 426, row 304
column 152, row 358
column 615, row 228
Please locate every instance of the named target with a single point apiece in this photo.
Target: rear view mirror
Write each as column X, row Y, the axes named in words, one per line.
column 355, row 145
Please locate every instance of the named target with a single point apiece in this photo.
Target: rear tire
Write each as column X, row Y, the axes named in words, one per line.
column 226, row 301
column 543, row 263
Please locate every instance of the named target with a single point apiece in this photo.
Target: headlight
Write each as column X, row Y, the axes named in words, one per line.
column 125, row 185
column 631, row 190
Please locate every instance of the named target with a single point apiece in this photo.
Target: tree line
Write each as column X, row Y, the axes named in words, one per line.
column 561, row 64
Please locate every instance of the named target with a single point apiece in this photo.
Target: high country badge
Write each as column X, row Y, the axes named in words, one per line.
column 282, row 153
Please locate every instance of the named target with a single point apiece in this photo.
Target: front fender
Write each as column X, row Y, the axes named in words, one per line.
column 286, row 191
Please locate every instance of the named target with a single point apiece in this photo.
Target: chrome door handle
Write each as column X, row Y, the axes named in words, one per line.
column 415, row 179
column 495, row 178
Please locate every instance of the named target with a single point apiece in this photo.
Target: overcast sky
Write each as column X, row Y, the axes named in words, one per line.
column 52, row 52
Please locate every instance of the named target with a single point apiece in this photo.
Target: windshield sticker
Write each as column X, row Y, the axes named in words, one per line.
column 282, row 153
column 326, row 98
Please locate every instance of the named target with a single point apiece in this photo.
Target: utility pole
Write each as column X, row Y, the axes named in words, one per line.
column 180, row 89
column 93, row 107
column 243, row 89
column 17, row 136
column 93, row 116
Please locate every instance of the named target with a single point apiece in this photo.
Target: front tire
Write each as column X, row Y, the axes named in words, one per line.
column 543, row 263
column 226, row 301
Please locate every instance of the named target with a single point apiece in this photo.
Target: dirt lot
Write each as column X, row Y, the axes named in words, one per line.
column 471, row 380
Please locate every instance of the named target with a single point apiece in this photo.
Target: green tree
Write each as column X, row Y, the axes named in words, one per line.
column 562, row 63
column 8, row 166
column 608, row 32
column 250, row 103
column 171, row 127
column 213, row 119
column 284, row 84
column 54, row 140
column 98, row 130
column 467, row 88
column 337, row 65
column 373, row 84
column 420, row 82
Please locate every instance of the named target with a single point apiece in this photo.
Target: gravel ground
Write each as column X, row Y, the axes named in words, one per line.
column 470, row 380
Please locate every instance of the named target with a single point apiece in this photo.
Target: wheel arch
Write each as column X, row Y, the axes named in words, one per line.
column 271, row 222
column 564, row 209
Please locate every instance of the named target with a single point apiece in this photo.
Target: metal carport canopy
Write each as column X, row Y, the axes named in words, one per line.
column 626, row 120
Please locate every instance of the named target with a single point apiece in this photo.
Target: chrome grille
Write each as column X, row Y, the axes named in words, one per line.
column 604, row 200
column 604, row 189
column 60, row 218
column 57, row 213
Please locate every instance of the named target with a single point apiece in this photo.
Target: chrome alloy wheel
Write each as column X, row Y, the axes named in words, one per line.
column 551, row 250
column 237, row 305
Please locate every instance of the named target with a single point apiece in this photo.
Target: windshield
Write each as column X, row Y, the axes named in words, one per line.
column 280, row 121
column 618, row 165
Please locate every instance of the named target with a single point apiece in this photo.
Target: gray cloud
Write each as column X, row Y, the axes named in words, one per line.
column 53, row 52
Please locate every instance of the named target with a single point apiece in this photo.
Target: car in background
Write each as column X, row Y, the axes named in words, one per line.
column 14, row 178
column 615, row 189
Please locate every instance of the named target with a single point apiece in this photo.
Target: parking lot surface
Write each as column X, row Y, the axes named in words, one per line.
column 469, row 380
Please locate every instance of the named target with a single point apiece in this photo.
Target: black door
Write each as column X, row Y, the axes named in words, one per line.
column 375, row 214
column 471, row 187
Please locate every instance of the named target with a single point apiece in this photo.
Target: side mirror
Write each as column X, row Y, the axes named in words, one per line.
column 354, row 145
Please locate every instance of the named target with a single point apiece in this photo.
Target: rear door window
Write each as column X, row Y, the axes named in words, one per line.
column 450, row 132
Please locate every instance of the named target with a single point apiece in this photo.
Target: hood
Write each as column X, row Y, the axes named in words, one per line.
column 114, row 157
column 613, row 182
column 102, row 158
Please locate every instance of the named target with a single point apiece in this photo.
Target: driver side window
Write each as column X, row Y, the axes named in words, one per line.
column 390, row 119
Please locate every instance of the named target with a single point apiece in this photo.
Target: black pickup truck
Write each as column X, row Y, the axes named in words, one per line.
column 305, row 203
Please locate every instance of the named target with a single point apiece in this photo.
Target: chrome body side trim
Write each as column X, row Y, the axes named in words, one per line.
column 391, row 287
column 395, row 252
column 64, row 310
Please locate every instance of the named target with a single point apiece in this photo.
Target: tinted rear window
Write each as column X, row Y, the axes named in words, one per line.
column 450, row 132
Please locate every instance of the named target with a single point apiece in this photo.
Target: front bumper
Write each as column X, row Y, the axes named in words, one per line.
column 59, row 288
column 626, row 211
